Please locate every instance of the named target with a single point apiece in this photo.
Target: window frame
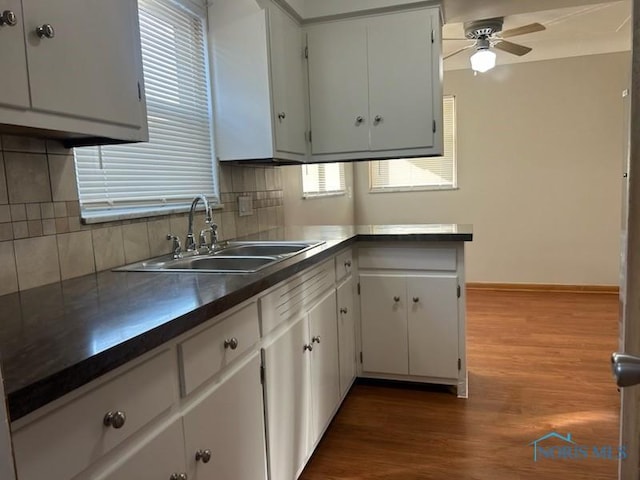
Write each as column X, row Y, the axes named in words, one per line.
column 425, row 188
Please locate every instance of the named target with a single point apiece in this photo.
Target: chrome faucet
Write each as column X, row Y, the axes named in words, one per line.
column 190, row 245
column 203, row 246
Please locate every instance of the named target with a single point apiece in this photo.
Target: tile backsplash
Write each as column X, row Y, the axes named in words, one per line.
column 42, row 239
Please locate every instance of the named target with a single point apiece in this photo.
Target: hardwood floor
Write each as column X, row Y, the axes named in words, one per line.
column 538, row 362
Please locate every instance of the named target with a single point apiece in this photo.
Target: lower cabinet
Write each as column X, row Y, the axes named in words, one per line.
column 302, row 387
column 346, row 335
column 224, row 433
column 160, row 458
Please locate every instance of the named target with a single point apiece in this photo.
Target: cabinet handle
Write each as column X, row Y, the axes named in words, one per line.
column 178, row 476
column 377, row 119
column 308, row 347
column 343, row 310
column 316, row 339
column 115, row 419
column 203, row 455
column 347, row 263
column 45, row 31
column 8, row 18
column 282, row 116
column 416, row 299
column 359, row 120
column 396, row 299
column 232, row 343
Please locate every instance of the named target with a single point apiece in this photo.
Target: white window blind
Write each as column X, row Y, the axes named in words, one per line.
column 178, row 161
column 323, row 179
column 421, row 173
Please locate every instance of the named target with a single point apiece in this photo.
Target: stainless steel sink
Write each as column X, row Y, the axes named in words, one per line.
column 231, row 257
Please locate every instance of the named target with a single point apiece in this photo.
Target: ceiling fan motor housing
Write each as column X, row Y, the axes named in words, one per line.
column 483, row 29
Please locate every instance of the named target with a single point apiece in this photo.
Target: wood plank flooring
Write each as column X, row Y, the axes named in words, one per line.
column 538, row 362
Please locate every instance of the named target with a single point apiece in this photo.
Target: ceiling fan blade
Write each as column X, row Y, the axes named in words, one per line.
column 512, row 48
column 531, row 28
column 460, row 50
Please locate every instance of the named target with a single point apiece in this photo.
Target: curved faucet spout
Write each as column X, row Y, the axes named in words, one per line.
column 191, row 243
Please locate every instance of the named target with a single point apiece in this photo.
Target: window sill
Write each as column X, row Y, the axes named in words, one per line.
column 116, row 215
column 411, row 189
column 312, row 196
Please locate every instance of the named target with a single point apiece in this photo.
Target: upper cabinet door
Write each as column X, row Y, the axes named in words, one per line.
column 401, row 80
column 287, row 78
column 15, row 84
column 338, row 89
column 84, row 59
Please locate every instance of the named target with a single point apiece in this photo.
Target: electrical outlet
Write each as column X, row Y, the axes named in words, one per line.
column 245, row 206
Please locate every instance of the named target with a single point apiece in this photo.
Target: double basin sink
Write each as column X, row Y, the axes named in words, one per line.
column 229, row 257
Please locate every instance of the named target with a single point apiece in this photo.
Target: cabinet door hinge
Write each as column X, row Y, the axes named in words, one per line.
column 360, row 357
column 262, row 371
column 359, row 293
column 459, row 364
column 433, row 36
column 310, row 136
column 306, row 52
column 459, row 290
column 139, row 91
column 434, row 126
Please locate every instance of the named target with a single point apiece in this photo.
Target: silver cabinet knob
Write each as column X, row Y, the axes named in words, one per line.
column 396, row 299
column 115, row 419
column 377, row 119
column 343, row 311
column 308, row 347
column 231, row 343
column 45, row 31
column 282, row 116
column 178, row 476
column 347, row 263
column 203, row 456
column 416, row 299
column 316, row 339
column 359, row 120
column 8, row 18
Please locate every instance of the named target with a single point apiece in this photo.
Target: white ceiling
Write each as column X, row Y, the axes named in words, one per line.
column 571, row 31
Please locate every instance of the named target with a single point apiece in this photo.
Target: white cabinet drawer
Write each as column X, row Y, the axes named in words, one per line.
column 207, row 352
column 344, row 262
column 67, row 440
column 296, row 296
column 398, row 258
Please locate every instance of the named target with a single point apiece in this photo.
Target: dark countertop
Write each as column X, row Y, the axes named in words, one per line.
column 56, row 338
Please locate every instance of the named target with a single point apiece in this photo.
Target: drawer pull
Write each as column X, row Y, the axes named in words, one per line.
column 203, row 456
column 396, row 299
column 178, row 476
column 347, row 263
column 115, row 419
column 316, row 339
column 416, row 299
column 344, row 311
column 308, row 347
column 232, row 343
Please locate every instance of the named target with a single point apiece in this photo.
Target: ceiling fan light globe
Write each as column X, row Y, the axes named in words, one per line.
column 483, row 61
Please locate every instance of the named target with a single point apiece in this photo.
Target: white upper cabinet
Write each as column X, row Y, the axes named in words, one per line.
column 375, row 86
column 259, row 82
column 74, row 69
column 15, row 84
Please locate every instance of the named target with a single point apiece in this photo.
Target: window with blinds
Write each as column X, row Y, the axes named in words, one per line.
column 177, row 163
column 323, row 179
column 429, row 173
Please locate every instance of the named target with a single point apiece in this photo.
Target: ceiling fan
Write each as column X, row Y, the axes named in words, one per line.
column 487, row 34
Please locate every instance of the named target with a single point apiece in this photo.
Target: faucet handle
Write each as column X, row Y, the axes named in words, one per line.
column 176, row 247
column 212, row 230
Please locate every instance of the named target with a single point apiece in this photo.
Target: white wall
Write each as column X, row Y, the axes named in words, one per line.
column 540, row 150
column 316, row 211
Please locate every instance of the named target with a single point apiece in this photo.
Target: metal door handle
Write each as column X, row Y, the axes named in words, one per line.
column 626, row 369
